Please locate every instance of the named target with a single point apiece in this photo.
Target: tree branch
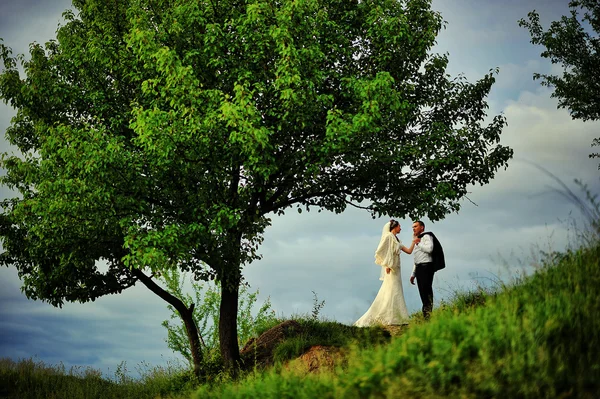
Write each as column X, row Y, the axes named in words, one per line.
column 156, row 289
column 367, row 208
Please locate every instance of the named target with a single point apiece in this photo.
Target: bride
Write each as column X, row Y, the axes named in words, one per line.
column 389, row 307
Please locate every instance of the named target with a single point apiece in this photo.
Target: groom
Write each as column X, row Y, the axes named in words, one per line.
column 429, row 258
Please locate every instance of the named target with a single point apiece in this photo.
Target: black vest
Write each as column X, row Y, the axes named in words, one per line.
column 437, row 255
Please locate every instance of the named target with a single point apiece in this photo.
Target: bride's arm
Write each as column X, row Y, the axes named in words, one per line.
column 412, row 246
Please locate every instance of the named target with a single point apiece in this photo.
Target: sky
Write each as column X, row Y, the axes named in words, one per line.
column 498, row 233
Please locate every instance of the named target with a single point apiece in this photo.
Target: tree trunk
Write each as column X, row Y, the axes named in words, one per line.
column 228, row 337
column 192, row 332
column 186, row 315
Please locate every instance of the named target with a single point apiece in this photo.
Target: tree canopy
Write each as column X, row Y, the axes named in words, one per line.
column 573, row 43
column 157, row 134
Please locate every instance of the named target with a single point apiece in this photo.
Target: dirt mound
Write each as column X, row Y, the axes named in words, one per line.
column 396, row 330
column 320, row 358
column 259, row 351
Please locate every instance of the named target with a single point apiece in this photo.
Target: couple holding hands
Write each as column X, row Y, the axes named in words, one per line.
column 389, row 307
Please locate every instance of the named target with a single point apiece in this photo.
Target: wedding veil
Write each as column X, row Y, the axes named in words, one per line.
column 384, row 255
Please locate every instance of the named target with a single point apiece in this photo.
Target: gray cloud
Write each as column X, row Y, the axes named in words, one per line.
column 100, row 334
column 27, row 21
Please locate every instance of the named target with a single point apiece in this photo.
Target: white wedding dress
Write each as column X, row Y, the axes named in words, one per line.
column 389, row 307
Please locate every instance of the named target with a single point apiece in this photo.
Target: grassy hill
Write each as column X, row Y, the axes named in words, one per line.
column 537, row 338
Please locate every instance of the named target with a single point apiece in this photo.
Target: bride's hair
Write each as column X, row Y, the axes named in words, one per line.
column 393, row 224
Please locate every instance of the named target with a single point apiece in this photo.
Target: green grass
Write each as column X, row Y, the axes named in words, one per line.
column 30, row 379
column 328, row 333
column 535, row 339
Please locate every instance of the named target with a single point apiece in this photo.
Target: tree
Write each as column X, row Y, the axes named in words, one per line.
column 159, row 134
column 572, row 42
column 250, row 319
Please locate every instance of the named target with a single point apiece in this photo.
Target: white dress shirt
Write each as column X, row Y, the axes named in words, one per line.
column 422, row 251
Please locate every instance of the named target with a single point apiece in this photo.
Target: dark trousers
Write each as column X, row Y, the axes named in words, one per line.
column 424, row 274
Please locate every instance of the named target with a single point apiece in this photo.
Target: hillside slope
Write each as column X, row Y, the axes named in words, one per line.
column 539, row 338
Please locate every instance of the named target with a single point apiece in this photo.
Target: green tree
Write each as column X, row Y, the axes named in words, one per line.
column 572, row 42
column 155, row 135
column 250, row 319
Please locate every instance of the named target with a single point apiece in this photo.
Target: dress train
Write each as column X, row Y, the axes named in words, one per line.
column 389, row 307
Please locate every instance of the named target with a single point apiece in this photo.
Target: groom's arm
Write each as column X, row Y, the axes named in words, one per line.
column 413, row 275
column 426, row 244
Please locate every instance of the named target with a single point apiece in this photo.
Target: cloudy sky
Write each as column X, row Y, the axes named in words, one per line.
column 495, row 236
